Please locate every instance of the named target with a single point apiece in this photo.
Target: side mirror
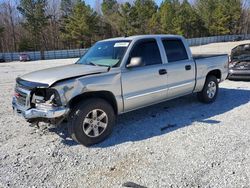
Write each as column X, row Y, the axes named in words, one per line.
column 247, row 47
column 135, row 62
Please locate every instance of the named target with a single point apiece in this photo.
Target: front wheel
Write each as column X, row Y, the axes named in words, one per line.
column 209, row 91
column 91, row 121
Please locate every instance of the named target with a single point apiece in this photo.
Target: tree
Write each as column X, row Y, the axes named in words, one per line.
column 52, row 31
column 245, row 18
column 127, row 20
column 154, row 26
column 111, row 17
column 232, row 10
column 144, row 10
column 1, row 37
column 25, row 44
column 1, row 31
column 10, row 9
column 219, row 25
column 67, row 7
column 81, row 25
column 206, row 10
column 220, row 17
column 35, row 20
column 109, row 6
column 187, row 21
column 59, row 24
column 168, row 14
column 9, row 18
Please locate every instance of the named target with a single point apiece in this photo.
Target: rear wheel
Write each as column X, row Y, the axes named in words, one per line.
column 91, row 121
column 209, row 91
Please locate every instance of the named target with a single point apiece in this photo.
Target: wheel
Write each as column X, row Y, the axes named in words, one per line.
column 209, row 91
column 91, row 121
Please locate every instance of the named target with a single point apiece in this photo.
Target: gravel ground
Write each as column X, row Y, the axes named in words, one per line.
column 180, row 143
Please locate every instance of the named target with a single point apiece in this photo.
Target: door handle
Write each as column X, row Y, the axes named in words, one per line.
column 162, row 71
column 188, row 67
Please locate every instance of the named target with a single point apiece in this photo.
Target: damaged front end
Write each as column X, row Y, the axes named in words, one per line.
column 38, row 103
column 239, row 66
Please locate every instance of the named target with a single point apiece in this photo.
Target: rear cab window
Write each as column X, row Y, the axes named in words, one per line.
column 175, row 50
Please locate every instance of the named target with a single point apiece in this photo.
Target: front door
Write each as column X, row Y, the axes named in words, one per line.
column 145, row 84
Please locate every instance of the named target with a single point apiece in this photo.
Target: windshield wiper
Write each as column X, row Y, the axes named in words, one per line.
column 91, row 63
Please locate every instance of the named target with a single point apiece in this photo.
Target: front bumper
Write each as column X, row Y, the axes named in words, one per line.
column 239, row 74
column 39, row 112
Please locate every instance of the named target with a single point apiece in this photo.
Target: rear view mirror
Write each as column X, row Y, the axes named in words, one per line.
column 135, row 62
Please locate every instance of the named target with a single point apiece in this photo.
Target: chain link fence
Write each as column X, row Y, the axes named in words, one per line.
column 75, row 53
column 36, row 55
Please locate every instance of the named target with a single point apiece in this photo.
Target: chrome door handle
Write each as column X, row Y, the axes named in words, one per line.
column 162, row 71
column 188, row 67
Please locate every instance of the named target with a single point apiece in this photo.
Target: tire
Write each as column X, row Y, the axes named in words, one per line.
column 207, row 95
column 84, row 122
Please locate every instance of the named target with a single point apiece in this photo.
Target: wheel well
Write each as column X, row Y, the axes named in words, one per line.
column 216, row 73
column 106, row 95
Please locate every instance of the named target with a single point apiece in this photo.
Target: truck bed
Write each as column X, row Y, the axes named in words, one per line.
column 208, row 62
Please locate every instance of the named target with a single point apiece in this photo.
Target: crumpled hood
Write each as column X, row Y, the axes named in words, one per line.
column 52, row 75
column 241, row 53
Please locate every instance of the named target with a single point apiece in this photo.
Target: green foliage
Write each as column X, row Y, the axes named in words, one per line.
column 109, row 7
column 188, row 22
column 81, row 25
column 144, row 10
column 127, row 20
column 112, row 17
column 154, row 25
column 1, row 31
column 204, row 18
column 180, row 18
column 67, row 7
column 220, row 17
column 25, row 44
column 168, row 14
column 35, row 18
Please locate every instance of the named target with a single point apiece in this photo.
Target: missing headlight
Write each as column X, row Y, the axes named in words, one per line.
column 47, row 96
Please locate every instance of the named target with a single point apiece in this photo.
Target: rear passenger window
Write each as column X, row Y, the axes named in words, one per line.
column 175, row 50
column 148, row 50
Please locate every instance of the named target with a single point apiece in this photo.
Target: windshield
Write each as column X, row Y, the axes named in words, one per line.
column 107, row 53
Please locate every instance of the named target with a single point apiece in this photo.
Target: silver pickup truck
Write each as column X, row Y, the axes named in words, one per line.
column 116, row 76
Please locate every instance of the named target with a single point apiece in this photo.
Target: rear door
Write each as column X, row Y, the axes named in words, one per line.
column 146, row 84
column 180, row 68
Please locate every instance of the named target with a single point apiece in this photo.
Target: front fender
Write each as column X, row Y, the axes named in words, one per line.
column 111, row 82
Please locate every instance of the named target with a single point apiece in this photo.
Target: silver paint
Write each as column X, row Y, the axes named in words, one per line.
column 133, row 88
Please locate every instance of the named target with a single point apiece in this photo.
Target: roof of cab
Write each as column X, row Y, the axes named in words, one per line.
column 136, row 37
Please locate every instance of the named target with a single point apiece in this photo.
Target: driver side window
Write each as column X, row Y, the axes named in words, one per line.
column 148, row 51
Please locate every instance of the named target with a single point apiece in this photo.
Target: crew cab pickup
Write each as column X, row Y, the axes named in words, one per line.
column 116, row 76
